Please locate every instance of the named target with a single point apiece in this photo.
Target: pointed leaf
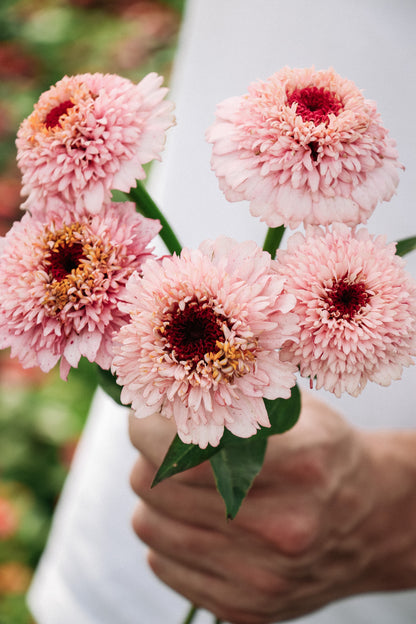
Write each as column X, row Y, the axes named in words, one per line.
column 240, row 460
column 181, row 457
column 235, row 467
column 235, row 461
column 405, row 246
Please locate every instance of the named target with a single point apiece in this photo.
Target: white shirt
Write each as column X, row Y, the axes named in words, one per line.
column 94, row 570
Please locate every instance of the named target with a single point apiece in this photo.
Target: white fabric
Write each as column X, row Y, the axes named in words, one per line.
column 93, row 570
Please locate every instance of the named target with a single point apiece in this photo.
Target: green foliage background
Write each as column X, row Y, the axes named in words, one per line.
column 41, row 417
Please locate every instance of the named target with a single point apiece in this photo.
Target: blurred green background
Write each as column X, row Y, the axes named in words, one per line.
column 41, row 417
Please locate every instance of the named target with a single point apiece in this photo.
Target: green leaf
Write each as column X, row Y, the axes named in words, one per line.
column 108, row 383
column 235, row 461
column 283, row 413
column 181, row 457
column 235, row 467
column 240, row 460
column 405, row 246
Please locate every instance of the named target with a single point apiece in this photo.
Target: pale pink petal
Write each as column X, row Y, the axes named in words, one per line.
column 203, row 328
column 356, row 309
column 247, row 418
column 88, row 134
column 303, row 146
column 62, row 277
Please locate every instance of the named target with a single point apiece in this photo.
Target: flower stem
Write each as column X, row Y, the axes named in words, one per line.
column 147, row 207
column 191, row 614
column 273, row 239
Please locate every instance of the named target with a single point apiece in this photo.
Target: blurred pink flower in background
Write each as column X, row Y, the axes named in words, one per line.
column 201, row 343
column 16, row 62
column 13, row 377
column 304, row 146
column 356, row 306
column 89, row 134
column 61, row 279
column 9, row 201
column 9, row 520
column 154, row 23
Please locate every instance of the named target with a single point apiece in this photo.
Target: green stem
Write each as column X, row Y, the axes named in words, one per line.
column 147, row 207
column 191, row 614
column 273, row 239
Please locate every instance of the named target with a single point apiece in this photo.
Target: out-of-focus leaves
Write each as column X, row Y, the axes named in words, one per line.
column 41, row 416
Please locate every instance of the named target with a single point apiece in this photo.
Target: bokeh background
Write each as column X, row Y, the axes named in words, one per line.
column 41, row 417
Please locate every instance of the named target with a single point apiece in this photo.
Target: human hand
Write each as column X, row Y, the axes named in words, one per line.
column 323, row 520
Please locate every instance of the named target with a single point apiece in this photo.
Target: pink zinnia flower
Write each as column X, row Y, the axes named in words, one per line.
column 9, row 521
column 201, row 343
column 89, row 134
column 304, row 146
column 61, row 279
column 356, row 306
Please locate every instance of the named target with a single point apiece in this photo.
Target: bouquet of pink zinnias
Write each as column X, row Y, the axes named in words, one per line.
column 213, row 337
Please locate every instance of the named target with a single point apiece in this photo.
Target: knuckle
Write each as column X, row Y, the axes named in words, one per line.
column 308, row 468
column 265, row 584
column 299, row 535
column 154, row 562
column 141, row 524
column 139, row 478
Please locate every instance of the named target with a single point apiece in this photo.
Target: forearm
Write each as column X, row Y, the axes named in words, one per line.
column 389, row 532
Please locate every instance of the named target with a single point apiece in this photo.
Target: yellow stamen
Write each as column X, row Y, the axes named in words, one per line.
column 77, row 285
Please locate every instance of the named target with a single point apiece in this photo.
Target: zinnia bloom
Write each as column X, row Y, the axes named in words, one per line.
column 60, row 282
column 9, row 521
column 89, row 134
column 304, row 146
column 356, row 306
column 201, row 342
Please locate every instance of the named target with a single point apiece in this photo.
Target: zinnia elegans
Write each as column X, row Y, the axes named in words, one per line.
column 91, row 133
column 201, row 343
column 304, row 146
column 356, row 306
column 61, row 279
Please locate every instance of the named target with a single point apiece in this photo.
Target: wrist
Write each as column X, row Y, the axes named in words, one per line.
column 388, row 533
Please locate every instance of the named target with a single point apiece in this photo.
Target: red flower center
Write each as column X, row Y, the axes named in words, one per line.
column 63, row 260
column 346, row 298
column 52, row 118
column 193, row 332
column 315, row 104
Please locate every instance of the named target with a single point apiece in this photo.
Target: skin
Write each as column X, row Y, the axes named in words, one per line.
column 332, row 514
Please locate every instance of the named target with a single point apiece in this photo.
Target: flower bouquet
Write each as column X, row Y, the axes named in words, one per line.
column 211, row 338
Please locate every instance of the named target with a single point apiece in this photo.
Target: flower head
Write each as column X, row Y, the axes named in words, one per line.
column 61, row 280
column 304, row 146
column 9, row 521
column 356, row 306
column 91, row 133
column 201, row 342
